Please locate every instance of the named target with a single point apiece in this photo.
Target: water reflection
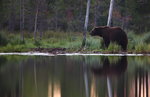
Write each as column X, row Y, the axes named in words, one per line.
column 141, row 84
column 110, row 69
column 74, row 76
column 54, row 90
column 115, row 72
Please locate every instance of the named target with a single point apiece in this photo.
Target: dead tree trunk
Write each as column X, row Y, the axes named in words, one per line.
column 21, row 33
column 86, row 23
column 110, row 13
column 35, row 21
column 22, row 19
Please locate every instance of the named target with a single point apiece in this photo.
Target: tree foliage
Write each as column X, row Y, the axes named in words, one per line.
column 69, row 15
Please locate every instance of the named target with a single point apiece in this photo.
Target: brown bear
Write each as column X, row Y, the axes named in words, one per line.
column 111, row 34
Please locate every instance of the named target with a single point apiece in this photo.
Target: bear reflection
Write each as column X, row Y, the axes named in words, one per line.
column 111, row 68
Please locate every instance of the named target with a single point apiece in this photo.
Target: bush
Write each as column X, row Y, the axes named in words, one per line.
column 15, row 40
column 3, row 40
column 146, row 38
column 142, row 47
column 134, row 40
column 12, row 48
column 37, row 43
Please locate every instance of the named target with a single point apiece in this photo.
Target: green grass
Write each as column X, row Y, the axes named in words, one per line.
column 70, row 40
column 113, row 47
column 139, row 43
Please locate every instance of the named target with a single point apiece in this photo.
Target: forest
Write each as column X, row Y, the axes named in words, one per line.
column 45, row 25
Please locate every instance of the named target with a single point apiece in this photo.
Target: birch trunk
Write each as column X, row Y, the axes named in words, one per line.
column 109, row 24
column 22, row 19
column 110, row 13
column 86, row 23
column 35, row 23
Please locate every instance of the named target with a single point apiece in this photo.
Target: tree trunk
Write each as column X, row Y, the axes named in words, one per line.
column 41, row 35
column 56, row 20
column 12, row 16
column 23, row 14
column 22, row 19
column 86, row 23
column 123, row 13
column 35, row 22
column 110, row 13
column 95, row 13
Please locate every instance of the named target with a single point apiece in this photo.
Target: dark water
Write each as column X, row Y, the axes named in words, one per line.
column 74, row 76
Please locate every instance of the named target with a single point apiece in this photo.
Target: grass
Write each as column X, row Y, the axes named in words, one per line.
column 70, row 40
column 139, row 43
column 113, row 47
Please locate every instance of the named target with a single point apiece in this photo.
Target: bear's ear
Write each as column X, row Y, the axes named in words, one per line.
column 96, row 29
column 93, row 28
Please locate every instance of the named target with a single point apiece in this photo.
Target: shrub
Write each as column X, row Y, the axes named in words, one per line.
column 3, row 40
column 37, row 43
column 15, row 40
column 134, row 40
column 146, row 38
column 142, row 47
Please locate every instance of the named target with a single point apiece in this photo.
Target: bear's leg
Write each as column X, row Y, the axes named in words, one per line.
column 102, row 44
column 107, row 42
column 124, row 47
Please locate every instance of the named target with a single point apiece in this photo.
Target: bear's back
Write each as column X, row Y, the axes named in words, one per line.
column 117, row 33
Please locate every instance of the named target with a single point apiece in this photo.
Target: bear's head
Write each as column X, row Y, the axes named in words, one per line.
column 98, row 31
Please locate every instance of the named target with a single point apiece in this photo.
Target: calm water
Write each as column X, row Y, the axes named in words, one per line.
column 74, row 76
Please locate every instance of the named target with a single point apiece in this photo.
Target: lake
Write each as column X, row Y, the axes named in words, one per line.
column 74, row 76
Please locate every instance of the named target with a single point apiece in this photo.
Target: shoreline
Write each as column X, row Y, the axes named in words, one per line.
column 80, row 52
column 73, row 54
